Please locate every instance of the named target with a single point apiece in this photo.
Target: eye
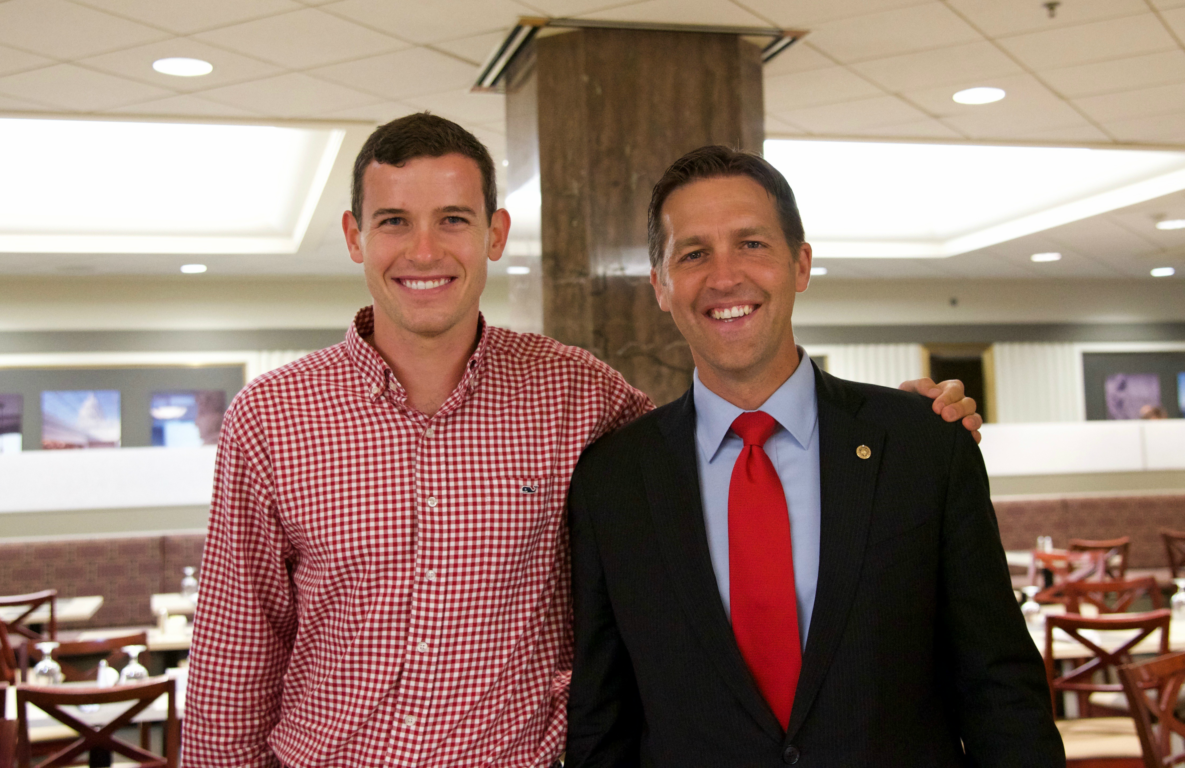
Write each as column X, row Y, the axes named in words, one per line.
column 455, row 220
column 392, row 220
column 752, row 244
column 692, row 256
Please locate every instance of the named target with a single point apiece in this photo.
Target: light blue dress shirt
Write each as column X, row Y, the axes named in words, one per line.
column 794, row 450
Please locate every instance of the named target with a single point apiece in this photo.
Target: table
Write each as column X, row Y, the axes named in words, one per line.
column 157, row 640
column 173, row 604
column 66, row 609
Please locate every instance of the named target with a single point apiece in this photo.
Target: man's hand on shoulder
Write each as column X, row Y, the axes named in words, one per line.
column 950, row 402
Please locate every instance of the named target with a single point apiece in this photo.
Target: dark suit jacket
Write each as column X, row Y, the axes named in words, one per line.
column 916, row 649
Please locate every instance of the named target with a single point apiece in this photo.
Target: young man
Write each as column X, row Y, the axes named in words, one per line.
column 783, row 568
column 386, row 577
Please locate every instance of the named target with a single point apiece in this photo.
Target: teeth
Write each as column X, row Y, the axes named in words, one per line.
column 732, row 312
column 423, row 285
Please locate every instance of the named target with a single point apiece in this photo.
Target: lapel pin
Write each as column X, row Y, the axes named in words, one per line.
column 864, row 452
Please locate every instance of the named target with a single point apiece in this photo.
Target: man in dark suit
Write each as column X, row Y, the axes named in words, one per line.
column 782, row 567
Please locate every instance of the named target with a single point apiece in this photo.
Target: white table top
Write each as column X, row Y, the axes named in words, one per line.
column 157, row 641
column 66, row 609
column 173, row 604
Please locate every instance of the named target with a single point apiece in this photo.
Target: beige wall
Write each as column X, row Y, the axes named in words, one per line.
column 208, row 302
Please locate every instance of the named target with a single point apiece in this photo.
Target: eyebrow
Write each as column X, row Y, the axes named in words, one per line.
column 403, row 212
column 740, row 233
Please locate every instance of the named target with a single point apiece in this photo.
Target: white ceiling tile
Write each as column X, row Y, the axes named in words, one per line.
column 1166, row 4
column 1098, row 41
column 566, row 9
column 1069, row 134
column 291, row 95
column 1118, row 75
column 840, row 119
column 720, row 12
column 775, row 127
column 185, row 17
column 382, row 112
column 1124, row 105
column 185, row 105
column 410, row 72
column 433, row 22
column 1022, row 93
column 1159, row 129
column 941, row 66
column 999, row 18
column 923, row 129
column 136, row 63
column 800, row 57
column 1017, row 124
column 891, row 33
column 12, row 60
column 474, row 49
column 1176, row 19
column 806, row 13
column 76, row 89
column 21, row 105
column 465, row 107
column 302, row 39
column 819, row 86
column 66, row 31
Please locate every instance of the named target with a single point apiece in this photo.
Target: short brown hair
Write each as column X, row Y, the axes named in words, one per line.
column 422, row 135
column 712, row 162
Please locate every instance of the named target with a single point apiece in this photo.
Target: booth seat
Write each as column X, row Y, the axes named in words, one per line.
column 1139, row 516
column 125, row 570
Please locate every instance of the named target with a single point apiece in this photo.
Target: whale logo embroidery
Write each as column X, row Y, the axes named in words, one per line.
column 530, row 488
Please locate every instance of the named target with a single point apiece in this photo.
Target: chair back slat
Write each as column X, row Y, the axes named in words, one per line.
column 1174, row 549
column 1152, row 688
column 1081, row 679
column 8, row 662
column 1111, row 596
column 7, row 731
column 1112, row 554
column 31, row 602
column 51, row 700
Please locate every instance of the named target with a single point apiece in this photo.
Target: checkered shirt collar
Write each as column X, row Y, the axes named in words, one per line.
column 378, row 376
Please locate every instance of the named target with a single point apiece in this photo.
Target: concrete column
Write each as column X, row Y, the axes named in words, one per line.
column 594, row 116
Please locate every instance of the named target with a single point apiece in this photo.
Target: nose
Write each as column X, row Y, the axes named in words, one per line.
column 724, row 271
column 423, row 248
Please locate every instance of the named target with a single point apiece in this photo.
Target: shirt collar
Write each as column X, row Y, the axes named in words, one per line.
column 792, row 405
column 377, row 374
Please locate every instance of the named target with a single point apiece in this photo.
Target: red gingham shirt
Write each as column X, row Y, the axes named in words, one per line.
column 384, row 588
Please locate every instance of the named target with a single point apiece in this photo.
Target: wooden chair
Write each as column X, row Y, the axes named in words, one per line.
column 8, row 663
column 1174, row 548
column 1081, row 678
column 1111, row 596
column 51, row 699
column 91, row 649
column 1153, row 691
column 32, row 602
column 1112, row 554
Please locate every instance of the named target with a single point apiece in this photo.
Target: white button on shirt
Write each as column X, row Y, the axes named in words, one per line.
column 432, row 501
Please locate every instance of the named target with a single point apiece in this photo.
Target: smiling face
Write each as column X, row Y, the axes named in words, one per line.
column 423, row 241
column 728, row 277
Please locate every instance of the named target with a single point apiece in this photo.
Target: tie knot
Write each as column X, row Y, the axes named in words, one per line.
column 754, row 427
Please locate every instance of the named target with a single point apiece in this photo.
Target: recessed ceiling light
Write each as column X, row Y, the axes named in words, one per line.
column 505, row 163
column 1163, row 272
column 1171, row 224
column 182, row 67
column 518, row 270
column 979, row 95
column 1039, row 257
column 193, row 269
column 818, row 271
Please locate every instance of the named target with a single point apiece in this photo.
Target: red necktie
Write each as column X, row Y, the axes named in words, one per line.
column 761, row 568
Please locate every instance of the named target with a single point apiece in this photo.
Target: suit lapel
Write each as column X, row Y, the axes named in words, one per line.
column 848, row 484
column 672, row 489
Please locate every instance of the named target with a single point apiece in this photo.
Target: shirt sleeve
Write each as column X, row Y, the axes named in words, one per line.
column 625, row 404
column 246, row 617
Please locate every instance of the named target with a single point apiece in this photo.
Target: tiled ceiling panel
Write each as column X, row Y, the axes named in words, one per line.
column 184, row 17
column 305, row 38
column 891, row 33
column 822, row 86
column 425, row 23
column 410, row 72
column 291, row 95
column 1099, row 41
column 810, row 13
column 12, row 60
column 686, row 11
column 1118, row 74
column 1001, row 18
column 69, row 87
column 63, row 30
column 838, row 119
column 136, row 64
column 1124, row 105
column 971, row 62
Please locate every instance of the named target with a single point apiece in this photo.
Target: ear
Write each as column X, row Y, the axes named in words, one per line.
column 660, row 290
column 802, row 268
column 353, row 236
column 499, row 233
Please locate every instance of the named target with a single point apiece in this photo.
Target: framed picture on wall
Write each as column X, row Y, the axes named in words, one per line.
column 1133, row 385
column 11, row 411
column 183, row 419
column 80, row 419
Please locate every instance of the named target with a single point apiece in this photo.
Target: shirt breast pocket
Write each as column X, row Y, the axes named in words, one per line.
column 521, row 519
